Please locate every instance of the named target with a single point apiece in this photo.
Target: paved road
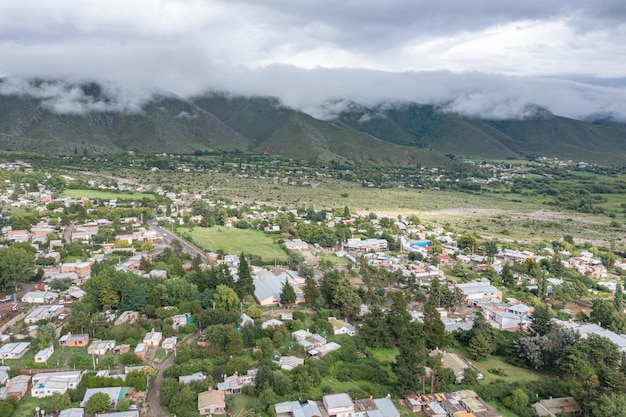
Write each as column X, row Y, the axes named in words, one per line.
column 169, row 237
column 155, row 392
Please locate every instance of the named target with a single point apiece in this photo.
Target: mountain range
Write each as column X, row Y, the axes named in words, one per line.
column 387, row 134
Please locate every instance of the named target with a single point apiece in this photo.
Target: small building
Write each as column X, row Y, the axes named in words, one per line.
column 153, row 339
column 211, row 402
column 44, row 354
column 127, row 317
column 338, row 405
column 72, row 412
column 74, row 340
column 288, row 363
column 18, row 386
column 170, row 343
column 234, row 384
column 101, row 347
column 295, row 409
column 554, row 407
column 39, row 297
column 48, row 383
column 341, row 327
column 14, row 350
column 114, row 393
column 140, row 350
column 188, row 379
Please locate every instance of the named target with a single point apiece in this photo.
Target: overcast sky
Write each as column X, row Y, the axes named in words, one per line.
column 480, row 57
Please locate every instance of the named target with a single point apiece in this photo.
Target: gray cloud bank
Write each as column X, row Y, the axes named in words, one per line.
column 324, row 93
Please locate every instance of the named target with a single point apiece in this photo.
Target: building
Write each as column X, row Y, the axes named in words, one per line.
column 101, row 347
column 39, row 297
column 288, row 363
column 127, row 317
column 234, row 384
column 18, row 386
column 188, row 379
column 46, row 384
column 114, row 393
column 338, row 405
column 72, row 412
column 475, row 293
column 295, row 409
column 170, row 343
column 554, row 407
column 268, row 286
column 341, row 327
column 74, row 340
column 127, row 413
column 43, row 313
column 44, row 354
column 452, row 361
column 211, row 402
column 140, row 350
column 14, row 350
column 153, row 339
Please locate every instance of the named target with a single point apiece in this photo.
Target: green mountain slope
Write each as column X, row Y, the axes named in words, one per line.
column 166, row 124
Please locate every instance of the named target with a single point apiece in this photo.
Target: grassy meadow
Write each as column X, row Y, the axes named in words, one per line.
column 105, row 195
column 232, row 240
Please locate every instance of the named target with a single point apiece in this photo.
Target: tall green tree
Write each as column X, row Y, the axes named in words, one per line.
column 434, row 329
column 310, row 291
column 618, row 301
column 16, row 265
column 542, row 319
column 245, row 284
column 225, row 298
column 287, row 295
column 410, row 363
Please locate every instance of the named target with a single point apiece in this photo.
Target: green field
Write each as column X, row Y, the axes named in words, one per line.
column 234, row 241
column 106, row 195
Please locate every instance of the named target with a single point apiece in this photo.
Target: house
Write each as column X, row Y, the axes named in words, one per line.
column 114, row 393
column 127, row 317
column 380, row 407
column 188, row 379
column 82, row 269
column 505, row 320
column 14, row 350
column 268, row 286
column 72, row 412
column 452, row 361
column 153, row 339
column 308, row 340
column 18, row 386
column 180, row 320
column 39, row 297
column 170, row 343
column 211, row 402
column 271, row 323
column 340, row 327
column 44, row 354
column 296, row 244
column 46, row 384
column 140, row 350
column 557, row 406
column 74, row 340
column 245, row 319
column 43, row 313
column 234, row 384
column 338, row 405
column 101, row 347
column 475, row 293
column 295, row 409
column 290, row 362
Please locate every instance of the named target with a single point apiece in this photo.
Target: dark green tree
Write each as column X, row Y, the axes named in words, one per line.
column 542, row 319
column 434, row 329
column 244, row 285
column 618, row 301
column 287, row 295
column 410, row 362
column 310, row 291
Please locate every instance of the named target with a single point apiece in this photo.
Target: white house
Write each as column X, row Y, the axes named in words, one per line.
column 338, row 405
column 44, row 354
column 170, row 343
column 39, row 297
column 46, row 384
column 187, row 379
column 479, row 292
column 14, row 350
column 100, row 347
column 341, row 327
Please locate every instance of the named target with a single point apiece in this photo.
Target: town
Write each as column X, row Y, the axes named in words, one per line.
column 124, row 299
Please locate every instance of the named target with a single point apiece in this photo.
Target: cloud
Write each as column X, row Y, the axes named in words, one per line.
column 485, row 57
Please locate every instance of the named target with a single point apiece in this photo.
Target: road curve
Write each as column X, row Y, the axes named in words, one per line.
column 169, row 237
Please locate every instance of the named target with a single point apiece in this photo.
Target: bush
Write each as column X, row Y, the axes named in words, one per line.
column 299, row 315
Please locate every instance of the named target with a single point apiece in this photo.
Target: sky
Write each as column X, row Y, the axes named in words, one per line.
column 488, row 58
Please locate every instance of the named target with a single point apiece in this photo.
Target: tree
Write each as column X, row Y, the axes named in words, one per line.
column 602, row 312
column 618, row 301
column 234, row 346
column 244, row 285
column 542, row 319
column 491, row 249
column 254, row 312
column 480, row 347
column 434, row 328
column 16, row 265
column 468, row 242
column 287, row 294
column 98, row 402
column 225, row 298
column 46, row 334
column 612, row 404
column 347, row 299
column 507, row 276
column 516, row 401
column 410, row 362
column 310, row 291
column 60, row 401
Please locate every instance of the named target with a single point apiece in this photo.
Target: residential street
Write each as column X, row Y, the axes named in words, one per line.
column 155, row 409
column 169, row 236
